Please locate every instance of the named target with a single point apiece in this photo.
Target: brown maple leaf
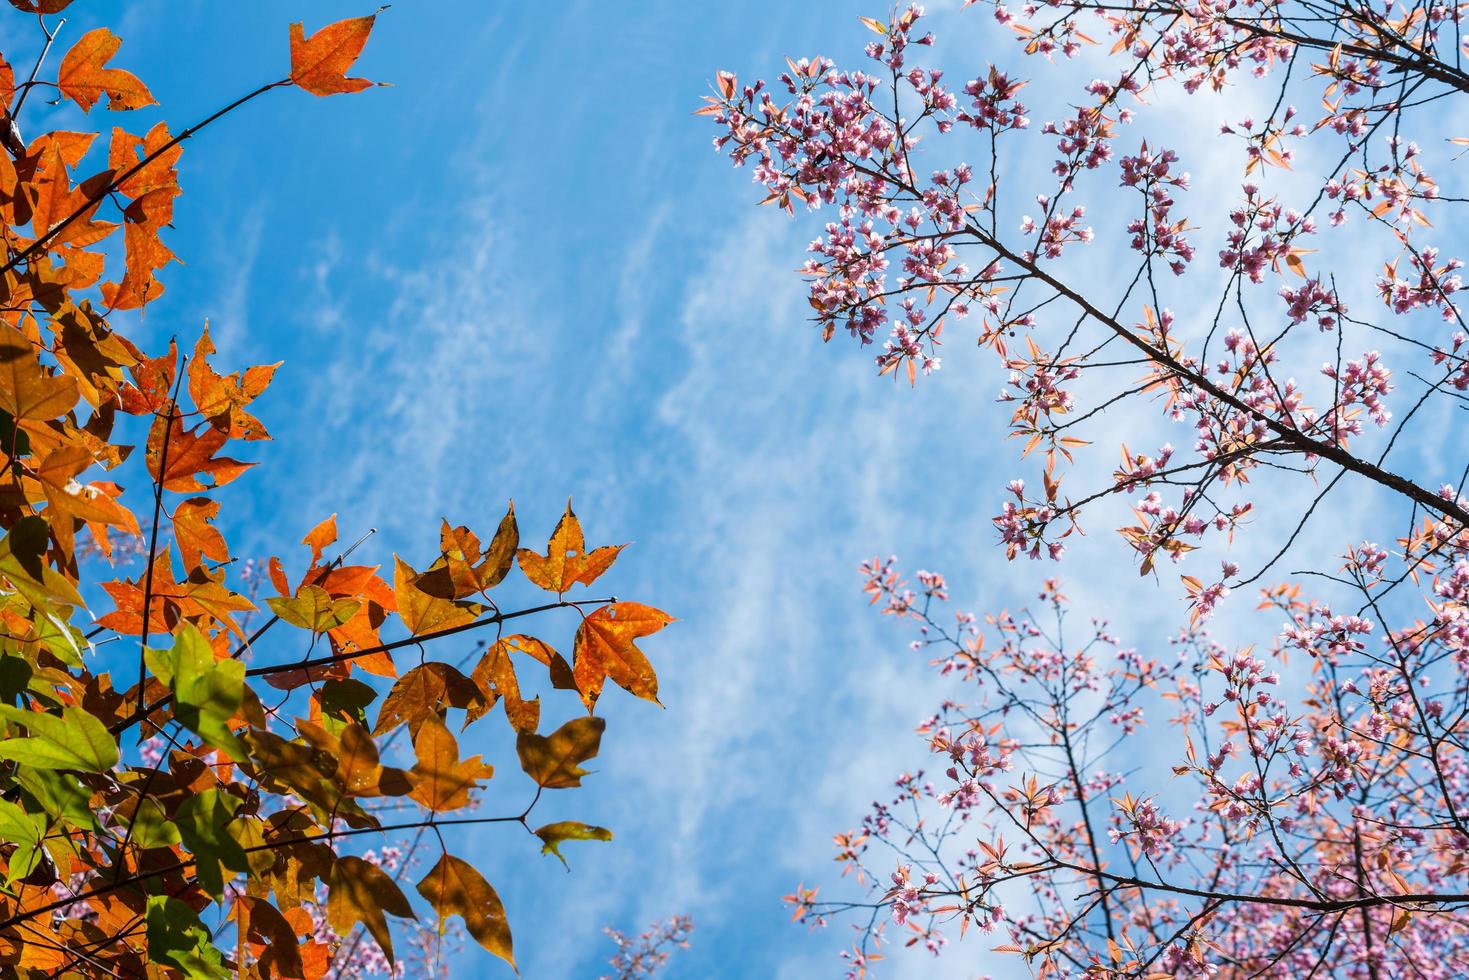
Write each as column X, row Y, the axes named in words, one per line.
column 566, row 561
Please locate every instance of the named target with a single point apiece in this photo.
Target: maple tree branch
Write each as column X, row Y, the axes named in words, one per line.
column 21, row 917
column 153, row 541
column 163, row 701
column 414, row 640
column 30, row 82
column 41, row 243
column 9, row 129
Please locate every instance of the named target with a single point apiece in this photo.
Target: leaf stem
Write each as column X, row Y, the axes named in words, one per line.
column 41, row 243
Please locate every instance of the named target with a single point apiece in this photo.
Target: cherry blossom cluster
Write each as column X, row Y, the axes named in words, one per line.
column 1144, row 828
column 1057, row 231
column 1156, row 233
column 1428, row 284
column 1362, row 382
column 1313, row 298
column 993, row 104
column 641, row 956
column 1264, row 235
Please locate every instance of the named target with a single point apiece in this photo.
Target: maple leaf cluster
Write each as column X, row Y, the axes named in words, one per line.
column 230, row 842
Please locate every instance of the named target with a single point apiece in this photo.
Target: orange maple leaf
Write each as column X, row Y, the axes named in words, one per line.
column 321, row 536
column 27, row 390
column 441, row 781
column 84, row 79
column 68, row 501
column 319, row 63
column 197, row 538
column 190, row 453
column 222, row 400
column 605, row 648
column 566, row 561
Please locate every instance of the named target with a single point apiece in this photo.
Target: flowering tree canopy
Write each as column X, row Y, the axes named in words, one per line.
column 1300, row 318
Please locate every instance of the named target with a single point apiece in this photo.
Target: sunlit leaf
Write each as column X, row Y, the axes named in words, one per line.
column 554, row 761
column 319, row 63
column 553, row 835
column 605, row 648
column 363, row 892
column 422, row 693
column 207, row 692
column 566, row 561
column 441, row 780
column 453, row 887
column 312, row 608
column 73, row 739
column 84, row 77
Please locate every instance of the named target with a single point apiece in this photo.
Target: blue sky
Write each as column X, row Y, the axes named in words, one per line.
column 522, row 272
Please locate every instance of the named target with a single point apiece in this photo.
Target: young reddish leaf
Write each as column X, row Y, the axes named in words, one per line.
column 201, row 595
column 554, row 761
column 453, row 887
column 84, row 80
column 440, row 780
column 320, row 537
column 152, row 385
column 605, row 648
column 319, row 63
column 566, row 561
column 362, row 892
column 361, row 632
column 553, row 835
column 278, row 576
column 196, row 537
